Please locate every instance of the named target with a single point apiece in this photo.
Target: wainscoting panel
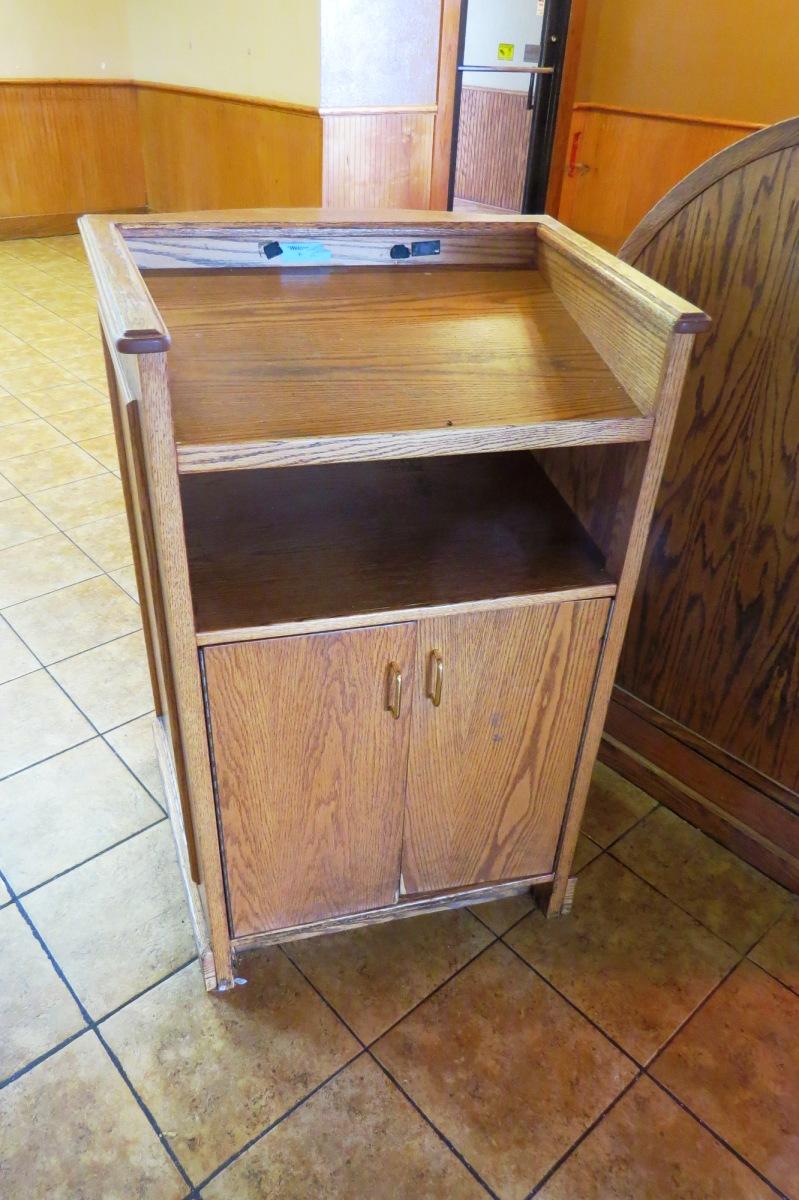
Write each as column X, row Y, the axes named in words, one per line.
column 210, row 150
column 493, row 140
column 68, row 147
column 378, row 158
column 621, row 162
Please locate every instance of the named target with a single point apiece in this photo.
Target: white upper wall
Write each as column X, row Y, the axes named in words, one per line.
column 263, row 48
column 379, row 52
column 489, row 22
column 69, row 39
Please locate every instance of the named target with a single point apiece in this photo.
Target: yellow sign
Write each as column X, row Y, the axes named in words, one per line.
column 505, row 51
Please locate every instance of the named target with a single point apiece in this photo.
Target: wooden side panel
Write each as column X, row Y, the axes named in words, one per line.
column 213, row 151
column 713, row 640
column 67, row 148
column 310, row 770
column 493, row 140
column 620, row 162
column 378, row 159
column 445, row 103
column 490, row 767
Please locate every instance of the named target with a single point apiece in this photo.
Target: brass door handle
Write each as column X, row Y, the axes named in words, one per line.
column 394, row 690
column 435, row 676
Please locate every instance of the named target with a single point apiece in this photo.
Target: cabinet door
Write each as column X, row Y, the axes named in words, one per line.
column 490, row 766
column 310, row 768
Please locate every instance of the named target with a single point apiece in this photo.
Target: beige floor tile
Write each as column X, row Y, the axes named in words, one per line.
column 36, row 1009
column 5, row 895
column 736, row 1066
column 15, row 658
column 13, row 411
column 21, row 521
column 86, row 500
column 37, row 720
column 614, row 805
column 51, row 468
column 357, row 1130
column 372, row 976
column 118, row 923
column 107, row 541
column 216, row 1070
column 7, row 489
column 499, row 915
column 778, row 952
column 126, row 578
column 62, row 811
column 68, row 397
column 41, row 566
column 31, row 379
column 134, row 743
column 110, row 684
column 728, row 896
column 73, row 619
column 630, row 959
column 26, row 437
column 71, row 1130
column 104, row 449
column 85, row 422
column 647, row 1146
column 505, row 1068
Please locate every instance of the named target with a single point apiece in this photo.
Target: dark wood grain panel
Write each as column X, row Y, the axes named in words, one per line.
column 310, row 771
column 493, row 141
column 490, row 768
column 306, row 543
column 713, row 640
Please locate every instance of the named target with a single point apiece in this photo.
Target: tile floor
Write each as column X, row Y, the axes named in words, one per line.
column 645, row 1047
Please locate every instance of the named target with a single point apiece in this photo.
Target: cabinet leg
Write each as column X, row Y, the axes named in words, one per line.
column 555, row 901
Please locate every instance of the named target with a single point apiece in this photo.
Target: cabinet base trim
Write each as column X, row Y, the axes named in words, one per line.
column 406, row 908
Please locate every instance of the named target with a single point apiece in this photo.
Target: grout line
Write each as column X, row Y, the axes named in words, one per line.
column 91, row 858
column 35, row 1062
column 47, row 757
column 112, row 1012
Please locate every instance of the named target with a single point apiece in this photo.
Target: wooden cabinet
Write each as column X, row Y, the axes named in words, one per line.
column 388, row 480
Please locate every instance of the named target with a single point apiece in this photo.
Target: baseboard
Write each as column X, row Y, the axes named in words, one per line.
column 747, row 820
column 44, row 225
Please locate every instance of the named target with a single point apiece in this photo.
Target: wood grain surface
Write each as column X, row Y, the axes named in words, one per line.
column 310, row 772
column 714, row 634
column 493, row 142
column 268, row 547
column 377, row 159
column 490, row 768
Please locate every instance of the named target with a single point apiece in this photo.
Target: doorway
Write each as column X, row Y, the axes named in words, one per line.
column 507, row 83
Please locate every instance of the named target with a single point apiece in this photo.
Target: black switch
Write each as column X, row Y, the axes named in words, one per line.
column 420, row 248
column 400, row 251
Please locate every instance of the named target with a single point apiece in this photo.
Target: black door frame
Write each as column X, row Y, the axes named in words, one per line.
column 545, row 96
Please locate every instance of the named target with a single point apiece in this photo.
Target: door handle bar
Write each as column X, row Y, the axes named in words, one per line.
column 394, row 690
column 435, row 677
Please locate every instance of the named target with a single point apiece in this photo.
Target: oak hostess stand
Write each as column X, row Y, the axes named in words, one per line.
column 389, row 478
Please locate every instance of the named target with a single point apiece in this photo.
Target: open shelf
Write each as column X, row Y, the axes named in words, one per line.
column 279, row 551
column 278, row 368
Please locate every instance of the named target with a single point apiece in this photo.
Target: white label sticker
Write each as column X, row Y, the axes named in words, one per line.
column 541, row 5
column 298, row 252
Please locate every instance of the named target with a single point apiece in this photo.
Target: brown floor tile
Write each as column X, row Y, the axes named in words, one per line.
column 87, row 500
column 373, row 975
column 26, row 437
column 614, row 805
column 71, row 1130
column 648, row 1148
column 505, row 1068
column 37, row 720
column 134, row 743
column 358, row 1130
column 499, row 915
column 34, row 473
column 778, row 952
column 736, row 1066
column 62, row 811
column 110, row 684
column 630, row 959
column 21, row 521
column 15, row 658
column 66, row 622
column 107, row 541
column 118, row 923
column 36, row 1010
column 216, row 1070
column 39, row 567
column 728, row 896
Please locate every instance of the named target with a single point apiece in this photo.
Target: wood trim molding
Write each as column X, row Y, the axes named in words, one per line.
column 49, row 225
column 568, row 89
column 376, row 110
column 656, row 115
